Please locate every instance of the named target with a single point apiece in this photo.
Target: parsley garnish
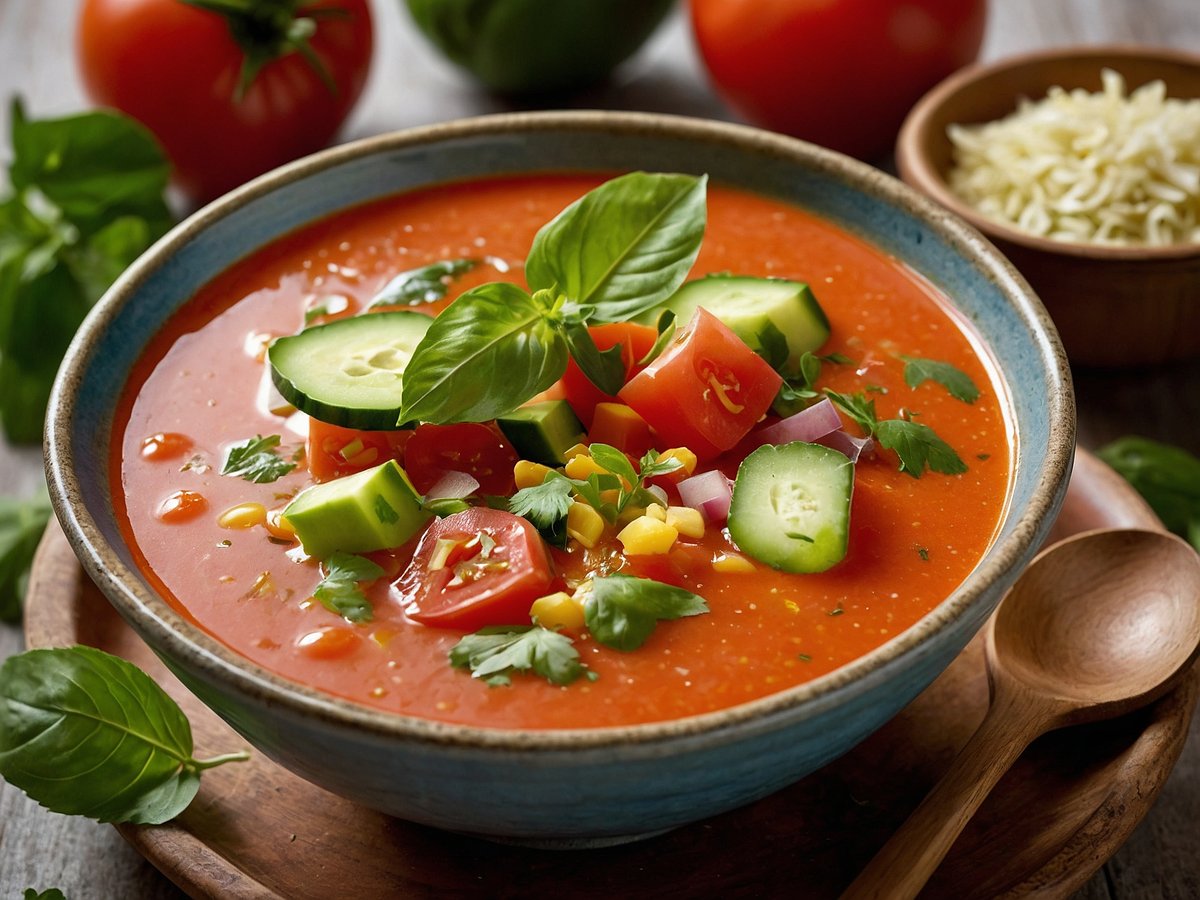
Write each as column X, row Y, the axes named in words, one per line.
column 21, row 525
column 544, row 504
column 957, row 382
column 621, row 611
column 923, row 552
column 339, row 591
column 424, row 285
column 918, row 446
column 492, row 654
column 837, row 610
column 256, row 459
column 1167, row 477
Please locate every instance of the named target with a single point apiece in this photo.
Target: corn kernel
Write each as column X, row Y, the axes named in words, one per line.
column 684, row 455
column 655, row 511
column 244, row 515
column 732, row 562
column 686, row 521
column 557, row 611
column 527, row 473
column 576, row 450
column 581, row 467
column 279, row 527
column 644, row 536
column 584, row 524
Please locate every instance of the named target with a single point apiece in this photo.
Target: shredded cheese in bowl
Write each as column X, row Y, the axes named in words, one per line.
column 1106, row 167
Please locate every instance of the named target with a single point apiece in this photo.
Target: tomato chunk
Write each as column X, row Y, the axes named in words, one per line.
column 705, row 391
column 473, row 569
column 334, row 452
column 479, row 450
column 635, row 340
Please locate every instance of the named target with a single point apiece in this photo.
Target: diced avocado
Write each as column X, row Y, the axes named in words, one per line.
column 371, row 510
column 543, row 431
column 763, row 312
column 791, row 506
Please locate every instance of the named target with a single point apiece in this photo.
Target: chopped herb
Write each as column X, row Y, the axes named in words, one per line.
column 917, row 446
column 982, row 457
column 796, row 536
column 427, row 284
column 875, row 389
column 798, row 387
column 257, row 460
column 838, row 359
column 340, row 592
column 1167, row 477
column 21, row 525
column 837, row 610
column 773, row 345
column 666, row 330
column 923, row 552
column 492, row 654
column 957, row 382
column 803, row 657
column 622, row 611
column 544, row 504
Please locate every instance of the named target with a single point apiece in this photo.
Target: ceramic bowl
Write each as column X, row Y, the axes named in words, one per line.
column 1113, row 306
column 572, row 787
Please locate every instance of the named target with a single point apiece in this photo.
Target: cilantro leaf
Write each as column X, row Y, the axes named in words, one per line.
column 256, row 459
column 918, row 446
column 427, row 284
column 773, row 345
column 21, row 525
column 858, row 408
column 1167, row 477
column 493, row 653
column 621, row 611
column 798, row 387
column 545, row 504
column 614, row 461
column 652, row 465
column 339, row 591
column 958, row 383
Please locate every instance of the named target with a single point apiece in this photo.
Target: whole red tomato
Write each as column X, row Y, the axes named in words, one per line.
column 841, row 73
column 178, row 68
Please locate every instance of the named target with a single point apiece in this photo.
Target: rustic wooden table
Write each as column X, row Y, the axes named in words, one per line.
column 410, row 86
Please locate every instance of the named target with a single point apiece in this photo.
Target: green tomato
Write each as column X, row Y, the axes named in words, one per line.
column 538, row 46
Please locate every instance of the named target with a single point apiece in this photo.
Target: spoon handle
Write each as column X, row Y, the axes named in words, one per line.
column 901, row 868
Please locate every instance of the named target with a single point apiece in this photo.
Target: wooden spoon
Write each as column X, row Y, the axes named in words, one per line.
column 1098, row 625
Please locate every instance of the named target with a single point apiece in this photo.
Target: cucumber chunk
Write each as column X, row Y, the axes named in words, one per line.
column 543, row 431
column 371, row 510
column 755, row 309
column 791, row 506
column 349, row 372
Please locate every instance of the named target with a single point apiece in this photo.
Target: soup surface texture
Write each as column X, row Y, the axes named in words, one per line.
column 199, row 389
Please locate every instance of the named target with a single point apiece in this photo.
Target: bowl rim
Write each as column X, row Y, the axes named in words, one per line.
column 195, row 650
column 917, row 170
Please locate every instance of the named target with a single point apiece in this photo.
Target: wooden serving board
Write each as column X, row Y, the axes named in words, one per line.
column 257, row 831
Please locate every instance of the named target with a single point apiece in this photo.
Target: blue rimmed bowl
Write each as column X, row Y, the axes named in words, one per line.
column 580, row 786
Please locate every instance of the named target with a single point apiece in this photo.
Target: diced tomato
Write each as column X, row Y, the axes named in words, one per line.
column 619, row 426
column 635, row 340
column 479, row 450
column 705, row 391
column 458, row 578
column 333, row 451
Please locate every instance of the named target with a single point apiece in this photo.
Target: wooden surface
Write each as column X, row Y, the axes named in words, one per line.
column 257, row 831
column 410, row 86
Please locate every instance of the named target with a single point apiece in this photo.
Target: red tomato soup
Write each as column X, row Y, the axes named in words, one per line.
column 213, row 545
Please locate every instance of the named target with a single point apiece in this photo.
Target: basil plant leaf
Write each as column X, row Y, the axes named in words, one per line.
column 89, row 734
column 487, row 353
column 428, row 284
column 21, row 525
column 622, row 611
column 603, row 368
column 624, row 247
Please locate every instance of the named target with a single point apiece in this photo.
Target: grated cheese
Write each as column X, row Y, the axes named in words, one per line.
column 1104, row 167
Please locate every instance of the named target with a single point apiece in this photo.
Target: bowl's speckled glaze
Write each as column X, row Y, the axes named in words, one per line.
column 590, row 786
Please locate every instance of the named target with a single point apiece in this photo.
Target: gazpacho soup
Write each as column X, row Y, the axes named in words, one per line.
column 551, row 451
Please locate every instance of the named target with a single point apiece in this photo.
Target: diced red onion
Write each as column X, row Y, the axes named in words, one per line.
column 709, row 492
column 807, row 425
column 848, row 444
column 659, row 494
column 453, row 486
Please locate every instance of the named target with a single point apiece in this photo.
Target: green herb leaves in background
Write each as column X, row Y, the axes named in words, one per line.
column 21, row 525
column 427, row 284
column 257, row 460
column 339, row 591
column 89, row 734
column 1167, row 477
column 86, row 199
column 48, row 894
column 617, row 251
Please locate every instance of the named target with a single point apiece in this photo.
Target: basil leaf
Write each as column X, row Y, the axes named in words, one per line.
column 623, row 247
column 493, row 653
column 21, row 527
column 89, row 734
column 257, row 460
column 1167, row 477
column 622, row 611
column 954, row 380
column 605, row 369
column 427, row 284
column 666, row 330
column 487, row 353
column 48, row 894
column 614, row 461
column 339, row 591
column 918, row 446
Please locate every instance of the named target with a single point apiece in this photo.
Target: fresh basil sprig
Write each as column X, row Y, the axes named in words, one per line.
column 89, row 734
column 21, row 525
column 617, row 251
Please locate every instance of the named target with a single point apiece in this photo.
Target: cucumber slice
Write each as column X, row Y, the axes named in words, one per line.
column 349, row 372
column 791, row 506
column 752, row 307
column 371, row 510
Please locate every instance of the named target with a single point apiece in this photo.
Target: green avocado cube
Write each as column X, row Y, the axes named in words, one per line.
column 543, row 431
column 371, row 510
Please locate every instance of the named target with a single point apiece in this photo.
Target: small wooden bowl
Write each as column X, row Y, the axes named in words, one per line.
column 1114, row 306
